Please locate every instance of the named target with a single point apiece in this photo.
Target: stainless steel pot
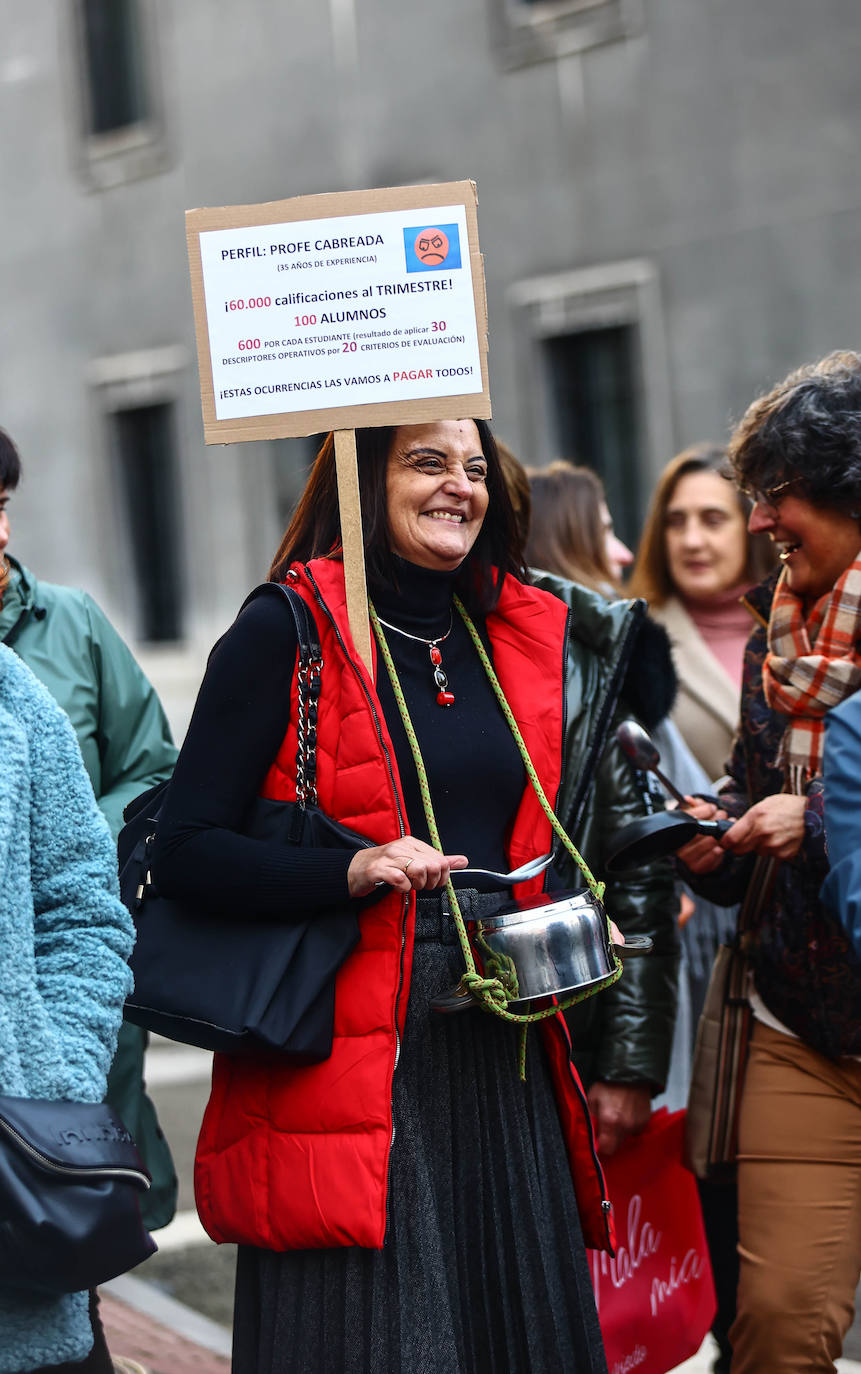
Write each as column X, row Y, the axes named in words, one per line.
column 551, row 944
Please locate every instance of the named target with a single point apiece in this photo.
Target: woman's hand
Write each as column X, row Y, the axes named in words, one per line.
column 702, row 854
column 773, row 827
column 618, row 1110
column 403, row 864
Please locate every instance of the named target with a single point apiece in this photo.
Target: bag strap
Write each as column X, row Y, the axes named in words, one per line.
column 309, row 679
column 306, row 626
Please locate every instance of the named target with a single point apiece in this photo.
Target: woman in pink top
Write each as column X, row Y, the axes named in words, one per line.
column 695, row 561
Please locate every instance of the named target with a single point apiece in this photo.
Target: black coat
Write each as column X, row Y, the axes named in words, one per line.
column 618, row 665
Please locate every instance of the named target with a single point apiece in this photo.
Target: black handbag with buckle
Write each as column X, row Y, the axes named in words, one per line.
column 70, row 1183
column 240, row 985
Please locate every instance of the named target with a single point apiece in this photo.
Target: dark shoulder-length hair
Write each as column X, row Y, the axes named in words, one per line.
column 651, row 576
column 807, row 429
column 567, row 534
column 315, row 529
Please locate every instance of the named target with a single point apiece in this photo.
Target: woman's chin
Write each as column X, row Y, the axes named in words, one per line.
column 444, row 556
column 699, row 589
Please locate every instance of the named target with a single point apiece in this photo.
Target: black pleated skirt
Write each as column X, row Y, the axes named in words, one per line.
column 484, row 1270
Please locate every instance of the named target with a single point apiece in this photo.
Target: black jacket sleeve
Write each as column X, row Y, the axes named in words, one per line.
column 624, row 1034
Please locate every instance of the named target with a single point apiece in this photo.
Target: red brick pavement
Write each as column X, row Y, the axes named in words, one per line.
column 156, row 1347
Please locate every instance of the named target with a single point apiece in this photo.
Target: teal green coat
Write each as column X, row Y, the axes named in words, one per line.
column 72, row 647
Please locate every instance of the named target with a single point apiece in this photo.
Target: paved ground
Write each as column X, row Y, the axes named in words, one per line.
column 174, row 1313
column 162, row 1335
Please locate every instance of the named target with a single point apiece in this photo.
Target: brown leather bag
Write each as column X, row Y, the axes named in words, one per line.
column 723, row 1034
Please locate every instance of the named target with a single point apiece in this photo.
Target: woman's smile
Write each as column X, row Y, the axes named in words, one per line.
column 815, row 544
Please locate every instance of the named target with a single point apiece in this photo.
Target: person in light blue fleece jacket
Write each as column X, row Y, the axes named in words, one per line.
column 841, row 891
column 65, row 938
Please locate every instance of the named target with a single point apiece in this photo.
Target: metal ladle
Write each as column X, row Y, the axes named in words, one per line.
column 641, row 749
column 653, row 837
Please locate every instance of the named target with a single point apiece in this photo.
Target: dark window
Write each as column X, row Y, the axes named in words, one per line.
column 595, row 414
column 115, row 64
column 148, row 487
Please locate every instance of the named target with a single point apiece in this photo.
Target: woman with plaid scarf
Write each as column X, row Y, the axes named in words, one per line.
column 797, row 452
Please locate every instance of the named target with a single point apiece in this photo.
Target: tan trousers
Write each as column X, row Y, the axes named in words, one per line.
column 799, row 1183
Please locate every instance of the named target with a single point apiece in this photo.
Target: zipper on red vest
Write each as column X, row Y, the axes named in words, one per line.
column 401, row 822
column 606, row 1205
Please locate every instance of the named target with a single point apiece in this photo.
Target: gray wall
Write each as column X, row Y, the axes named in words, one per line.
column 717, row 142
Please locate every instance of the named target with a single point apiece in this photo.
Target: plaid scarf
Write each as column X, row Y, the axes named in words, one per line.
column 811, row 665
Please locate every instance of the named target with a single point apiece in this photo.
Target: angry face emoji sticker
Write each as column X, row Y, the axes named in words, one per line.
column 432, row 247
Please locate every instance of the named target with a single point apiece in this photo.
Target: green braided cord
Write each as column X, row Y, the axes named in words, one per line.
column 596, row 888
column 490, row 993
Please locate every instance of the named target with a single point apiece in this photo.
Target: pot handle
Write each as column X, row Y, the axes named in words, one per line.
column 634, row 947
column 455, row 999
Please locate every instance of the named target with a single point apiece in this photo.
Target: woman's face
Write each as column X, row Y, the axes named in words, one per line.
column 436, row 489
column 704, row 536
column 815, row 544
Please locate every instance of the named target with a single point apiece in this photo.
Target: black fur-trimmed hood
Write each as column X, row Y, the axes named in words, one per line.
column 650, row 683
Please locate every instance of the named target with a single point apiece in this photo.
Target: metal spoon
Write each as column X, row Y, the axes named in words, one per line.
column 640, row 748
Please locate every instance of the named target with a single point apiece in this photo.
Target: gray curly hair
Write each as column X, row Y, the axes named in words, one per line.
column 807, row 428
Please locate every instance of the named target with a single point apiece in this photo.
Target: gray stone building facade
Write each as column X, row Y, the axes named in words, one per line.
column 669, row 208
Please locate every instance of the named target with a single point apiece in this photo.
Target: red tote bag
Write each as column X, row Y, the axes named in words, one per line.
column 656, row 1299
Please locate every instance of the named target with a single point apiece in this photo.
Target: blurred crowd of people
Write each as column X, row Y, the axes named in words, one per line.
column 409, row 1203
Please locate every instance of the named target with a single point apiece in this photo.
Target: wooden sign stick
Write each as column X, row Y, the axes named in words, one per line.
column 347, row 468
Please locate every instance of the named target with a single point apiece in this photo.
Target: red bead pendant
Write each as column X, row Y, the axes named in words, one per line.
column 445, row 698
column 435, row 656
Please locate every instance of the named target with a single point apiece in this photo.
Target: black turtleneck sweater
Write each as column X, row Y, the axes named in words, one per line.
column 241, row 716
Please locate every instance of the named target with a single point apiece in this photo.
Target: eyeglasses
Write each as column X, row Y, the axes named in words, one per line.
column 769, row 496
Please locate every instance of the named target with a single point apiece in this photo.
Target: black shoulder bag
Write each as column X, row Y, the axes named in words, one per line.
column 70, row 1185
column 243, row 984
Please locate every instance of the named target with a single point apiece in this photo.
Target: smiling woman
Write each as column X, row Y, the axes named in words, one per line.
column 343, row 1180
column 798, row 451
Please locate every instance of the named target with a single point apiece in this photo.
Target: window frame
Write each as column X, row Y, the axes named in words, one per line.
column 604, row 296
column 524, row 33
column 130, row 381
column 103, row 160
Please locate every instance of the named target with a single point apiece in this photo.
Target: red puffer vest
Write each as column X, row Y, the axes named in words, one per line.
column 297, row 1157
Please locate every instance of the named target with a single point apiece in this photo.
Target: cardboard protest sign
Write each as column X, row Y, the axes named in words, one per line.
column 339, row 311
